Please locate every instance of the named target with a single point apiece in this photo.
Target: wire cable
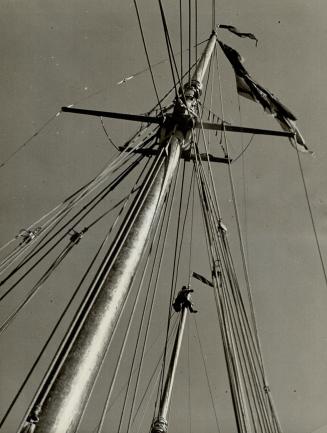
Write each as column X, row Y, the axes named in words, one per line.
column 146, row 54
column 46, row 344
column 107, row 135
column 26, row 142
column 207, row 376
column 311, row 216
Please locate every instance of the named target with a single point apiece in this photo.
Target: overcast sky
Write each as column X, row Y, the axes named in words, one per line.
column 56, row 53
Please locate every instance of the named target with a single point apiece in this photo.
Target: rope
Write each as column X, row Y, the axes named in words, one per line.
column 107, row 135
column 94, row 203
column 243, row 150
column 123, row 388
column 153, row 65
column 4, row 325
column 59, row 321
column 311, row 216
column 189, row 378
column 146, row 53
column 83, row 193
column 241, row 364
column 244, row 180
column 244, row 263
column 125, row 228
column 196, row 28
column 191, row 230
column 176, row 257
column 147, row 297
column 75, row 320
column 210, row 250
column 172, row 60
column 207, row 376
column 189, row 40
column 169, row 308
column 26, row 142
column 181, row 36
column 121, row 352
column 63, row 208
column 172, row 331
column 152, row 301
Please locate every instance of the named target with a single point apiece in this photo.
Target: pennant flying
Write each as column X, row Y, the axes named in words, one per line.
column 202, row 279
column 250, row 89
column 236, row 32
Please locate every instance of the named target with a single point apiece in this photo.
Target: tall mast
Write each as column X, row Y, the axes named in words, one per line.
column 63, row 398
column 160, row 425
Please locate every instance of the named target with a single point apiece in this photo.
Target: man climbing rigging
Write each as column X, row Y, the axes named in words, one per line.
column 183, row 299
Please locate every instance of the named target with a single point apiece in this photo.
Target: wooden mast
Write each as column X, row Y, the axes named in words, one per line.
column 63, row 397
column 160, row 424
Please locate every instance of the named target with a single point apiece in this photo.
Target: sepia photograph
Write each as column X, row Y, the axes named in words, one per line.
column 163, row 224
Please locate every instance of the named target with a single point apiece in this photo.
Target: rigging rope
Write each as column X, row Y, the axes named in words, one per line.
column 244, row 181
column 116, row 246
column 222, row 329
column 107, row 134
column 177, row 251
column 182, row 232
column 147, row 324
column 311, row 216
column 181, row 37
column 171, row 55
column 139, row 331
column 241, row 352
column 97, row 199
column 169, row 310
column 172, row 331
column 191, row 229
column 196, row 28
column 141, row 322
column 68, row 333
column 244, row 262
column 189, row 41
column 64, row 207
column 56, row 326
column 30, row 295
column 207, row 376
column 243, row 150
column 146, row 53
column 189, row 378
column 153, row 298
column 69, row 204
column 26, row 142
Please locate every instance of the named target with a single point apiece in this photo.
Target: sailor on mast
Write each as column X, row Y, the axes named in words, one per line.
column 183, row 299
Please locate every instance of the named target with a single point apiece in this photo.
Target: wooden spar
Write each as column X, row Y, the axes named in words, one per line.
column 112, row 115
column 159, row 120
column 160, row 425
column 244, row 129
column 62, row 399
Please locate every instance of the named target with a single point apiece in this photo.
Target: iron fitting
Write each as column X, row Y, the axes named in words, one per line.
column 160, row 425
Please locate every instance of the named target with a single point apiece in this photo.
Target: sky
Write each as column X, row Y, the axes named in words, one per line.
column 59, row 53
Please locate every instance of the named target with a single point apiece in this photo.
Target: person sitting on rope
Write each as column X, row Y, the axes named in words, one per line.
column 183, row 299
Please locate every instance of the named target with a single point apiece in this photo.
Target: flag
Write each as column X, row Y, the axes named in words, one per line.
column 236, row 32
column 250, row 89
column 202, row 279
